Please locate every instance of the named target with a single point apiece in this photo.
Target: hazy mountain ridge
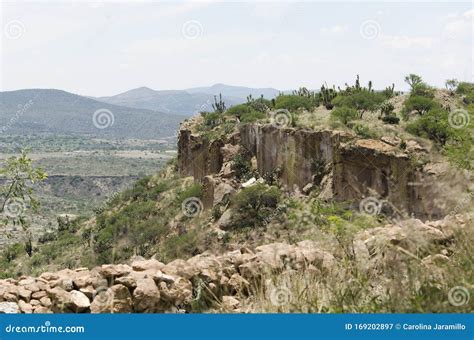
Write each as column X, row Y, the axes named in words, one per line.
column 187, row 101
column 37, row 111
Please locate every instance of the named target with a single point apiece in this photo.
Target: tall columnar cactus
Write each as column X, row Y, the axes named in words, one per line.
column 327, row 95
column 219, row 106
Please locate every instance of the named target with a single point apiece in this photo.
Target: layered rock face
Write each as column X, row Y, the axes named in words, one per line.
column 354, row 168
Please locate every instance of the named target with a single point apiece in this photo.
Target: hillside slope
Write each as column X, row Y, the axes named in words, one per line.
column 40, row 111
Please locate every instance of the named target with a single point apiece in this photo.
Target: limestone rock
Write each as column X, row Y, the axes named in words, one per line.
column 79, row 301
column 9, row 308
column 116, row 299
column 110, row 271
column 150, row 264
column 146, row 296
column 225, row 221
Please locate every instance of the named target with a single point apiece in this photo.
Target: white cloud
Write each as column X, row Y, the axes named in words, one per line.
column 405, row 42
column 461, row 26
column 333, row 30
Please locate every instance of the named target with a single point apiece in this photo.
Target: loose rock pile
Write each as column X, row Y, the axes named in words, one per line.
column 149, row 286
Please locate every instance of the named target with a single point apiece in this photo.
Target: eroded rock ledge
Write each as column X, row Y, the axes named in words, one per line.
column 355, row 168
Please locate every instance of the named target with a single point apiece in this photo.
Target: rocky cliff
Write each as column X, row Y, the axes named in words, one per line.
column 339, row 164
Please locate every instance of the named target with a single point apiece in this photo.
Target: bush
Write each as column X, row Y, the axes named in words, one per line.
column 195, row 190
column 419, row 104
column 467, row 91
column 390, row 119
column 344, row 114
column 361, row 101
column 246, row 113
column 256, row 205
column 423, row 90
column 212, row 119
column 242, row 167
column 364, row 131
column 433, row 125
column 295, row 102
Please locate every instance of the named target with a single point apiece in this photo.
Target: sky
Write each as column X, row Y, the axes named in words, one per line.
column 102, row 48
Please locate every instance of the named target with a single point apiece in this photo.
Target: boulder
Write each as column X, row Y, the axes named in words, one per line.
column 116, row 299
column 146, row 296
column 150, row 264
column 230, row 303
column 9, row 308
column 79, row 301
column 24, row 294
column 225, row 221
column 25, row 307
column 111, row 271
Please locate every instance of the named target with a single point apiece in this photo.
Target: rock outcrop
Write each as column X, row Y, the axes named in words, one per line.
column 345, row 168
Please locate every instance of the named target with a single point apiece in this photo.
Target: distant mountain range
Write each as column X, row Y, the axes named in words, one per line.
column 58, row 112
column 139, row 113
column 186, row 102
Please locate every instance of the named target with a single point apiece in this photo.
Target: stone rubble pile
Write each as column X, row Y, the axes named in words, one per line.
column 149, row 286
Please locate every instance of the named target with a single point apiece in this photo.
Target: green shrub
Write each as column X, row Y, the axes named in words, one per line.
column 467, row 91
column 433, row 125
column 423, row 90
column 245, row 113
column 11, row 252
column 295, row 102
column 344, row 114
column 361, row 101
column 212, row 119
column 364, row 132
column 255, row 205
column 195, row 190
column 390, row 119
column 242, row 167
column 419, row 104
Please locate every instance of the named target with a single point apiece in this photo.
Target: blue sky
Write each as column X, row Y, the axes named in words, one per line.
column 107, row 47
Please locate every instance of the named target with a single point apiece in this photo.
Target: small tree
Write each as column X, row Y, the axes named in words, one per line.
column 20, row 177
column 413, row 80
column 451, row 85
column 344, row 114
column 419, row 104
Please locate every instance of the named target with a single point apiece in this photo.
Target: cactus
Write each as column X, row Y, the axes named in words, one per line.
column 327, row 95
column 219, row 106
